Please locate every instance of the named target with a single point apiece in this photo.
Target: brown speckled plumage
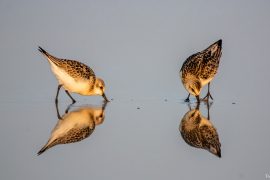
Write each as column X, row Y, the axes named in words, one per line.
column 72, row 136
column 200, row 68
column 202, row 64
column 199, row 132
column 75, row 77
column 74, row 68
column 75, row 126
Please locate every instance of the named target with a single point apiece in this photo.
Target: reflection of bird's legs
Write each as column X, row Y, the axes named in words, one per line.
column 189, row 106
column 198, row 106
column 208, row 108
column 104, row 105
column 208, row 114
column 57, row 110
column 187, row 99
column 206, row 98
column 73, row 100
column 57, row 93
column 68, row 108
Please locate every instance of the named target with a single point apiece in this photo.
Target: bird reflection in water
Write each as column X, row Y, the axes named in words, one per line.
column 75, row 126
column 199, row 132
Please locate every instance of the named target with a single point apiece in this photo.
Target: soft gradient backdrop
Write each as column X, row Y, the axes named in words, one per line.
column 137, row 47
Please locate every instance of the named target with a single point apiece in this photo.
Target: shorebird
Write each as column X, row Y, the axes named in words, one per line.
column 199, row 69
column 75, row 126
column 75, row 77
column 199, row 132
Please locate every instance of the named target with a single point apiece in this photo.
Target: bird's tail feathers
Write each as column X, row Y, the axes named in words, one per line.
column 47, row 146
column 45, row 53
column 42, row 150
column 215, row 149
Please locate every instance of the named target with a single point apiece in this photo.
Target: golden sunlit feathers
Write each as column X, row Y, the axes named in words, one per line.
column 200, row 68
column 199, row 132
column 75, row 126
column 75, row 77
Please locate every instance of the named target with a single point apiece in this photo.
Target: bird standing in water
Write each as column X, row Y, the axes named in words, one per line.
column 199, row 69
column 75, row 77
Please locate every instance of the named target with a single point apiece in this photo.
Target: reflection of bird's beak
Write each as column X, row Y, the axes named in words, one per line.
column 105, row 98
column 104, row 105
column 198, row 99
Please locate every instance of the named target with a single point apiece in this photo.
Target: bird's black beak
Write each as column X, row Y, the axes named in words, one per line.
column 105, row 98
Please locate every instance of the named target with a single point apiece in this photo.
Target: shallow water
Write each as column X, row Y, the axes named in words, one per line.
column 134, row 143
column 137, row 47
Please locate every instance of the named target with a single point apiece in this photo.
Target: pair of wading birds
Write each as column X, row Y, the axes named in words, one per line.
column 75, row 77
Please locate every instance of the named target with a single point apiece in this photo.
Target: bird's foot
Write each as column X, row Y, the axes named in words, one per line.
column 206, row 98
column 187, row 99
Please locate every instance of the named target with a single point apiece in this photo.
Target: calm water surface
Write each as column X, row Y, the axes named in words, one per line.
column 134, row 143
column 137, row 47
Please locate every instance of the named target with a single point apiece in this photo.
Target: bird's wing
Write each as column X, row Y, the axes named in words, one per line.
column 193, row 138
column 72, row 136
column 76, row 69
column 192, row 63
column 77, row 134
column 210, row 135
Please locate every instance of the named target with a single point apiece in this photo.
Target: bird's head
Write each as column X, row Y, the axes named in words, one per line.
column 193, row 86
column 99, row 116
column 99, row 88
column 192, row 118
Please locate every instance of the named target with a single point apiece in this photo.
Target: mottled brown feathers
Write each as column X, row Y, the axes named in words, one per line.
column 202, row 64
column 74, row 68
column 72, row 136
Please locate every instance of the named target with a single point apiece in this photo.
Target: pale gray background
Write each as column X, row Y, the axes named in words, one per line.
column 137, row 47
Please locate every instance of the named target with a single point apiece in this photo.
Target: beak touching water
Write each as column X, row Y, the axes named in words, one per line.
column 198, row 99
column 105, row 98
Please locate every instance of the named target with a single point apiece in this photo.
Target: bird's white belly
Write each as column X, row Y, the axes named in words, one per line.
column 70, row 121
column 69, row 83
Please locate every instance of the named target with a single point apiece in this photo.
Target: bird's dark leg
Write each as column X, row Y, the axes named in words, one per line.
column 73, row 100
column 187, row 99
column 208, row 94
column 58, row 89
column 208, row 113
